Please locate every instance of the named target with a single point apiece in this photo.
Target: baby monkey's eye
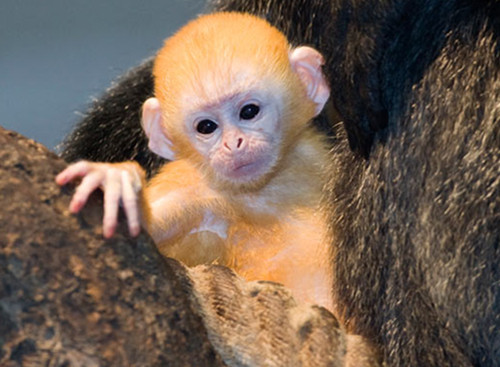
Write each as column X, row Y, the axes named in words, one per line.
column 249, row 111
column 206, row 127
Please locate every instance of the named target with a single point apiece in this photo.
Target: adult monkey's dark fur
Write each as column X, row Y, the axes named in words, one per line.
column 111, row 129
column 415, row 202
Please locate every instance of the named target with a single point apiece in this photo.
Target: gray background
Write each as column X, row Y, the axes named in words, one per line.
column 56, row 55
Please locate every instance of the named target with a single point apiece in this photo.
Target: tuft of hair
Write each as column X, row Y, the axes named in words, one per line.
column 216, row 55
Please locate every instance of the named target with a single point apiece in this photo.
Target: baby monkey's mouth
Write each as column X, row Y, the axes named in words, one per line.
column 245, row 171
column 244, row 166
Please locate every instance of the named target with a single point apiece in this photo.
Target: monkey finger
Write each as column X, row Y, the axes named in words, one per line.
column 88, row 185
column 129, row 200
column 112, row 195
column 73, row 171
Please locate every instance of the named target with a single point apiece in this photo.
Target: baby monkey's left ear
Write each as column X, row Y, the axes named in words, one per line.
column 307, row 62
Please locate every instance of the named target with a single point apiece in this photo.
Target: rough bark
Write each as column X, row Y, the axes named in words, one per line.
column 69, row 298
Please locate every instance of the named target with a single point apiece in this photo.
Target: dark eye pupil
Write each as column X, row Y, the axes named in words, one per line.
column 206, row 127
column 249, row 111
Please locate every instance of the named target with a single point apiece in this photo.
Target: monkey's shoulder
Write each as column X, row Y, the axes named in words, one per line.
column 176, row 174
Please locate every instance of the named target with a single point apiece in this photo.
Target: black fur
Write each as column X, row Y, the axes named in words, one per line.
column 111, row 129
column 414, row 194
column 418, row 227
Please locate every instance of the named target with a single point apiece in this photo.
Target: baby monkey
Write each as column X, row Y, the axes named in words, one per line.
column 232, row 110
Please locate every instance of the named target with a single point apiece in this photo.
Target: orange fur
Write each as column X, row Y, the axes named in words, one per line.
column 196, row 64
column 272, row 229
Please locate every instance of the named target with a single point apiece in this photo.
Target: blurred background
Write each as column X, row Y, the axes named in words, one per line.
column 56, row 55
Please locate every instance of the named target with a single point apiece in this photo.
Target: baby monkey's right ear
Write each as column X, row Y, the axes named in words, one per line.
column 152, row 123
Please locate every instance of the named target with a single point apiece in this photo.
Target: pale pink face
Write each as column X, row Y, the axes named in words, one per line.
column 238, row 134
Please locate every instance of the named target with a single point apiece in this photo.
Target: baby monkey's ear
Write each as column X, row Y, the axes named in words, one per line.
column 152, row 123
column 307, row 62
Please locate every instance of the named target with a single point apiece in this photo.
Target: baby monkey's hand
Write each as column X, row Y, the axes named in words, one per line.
column 120, row 182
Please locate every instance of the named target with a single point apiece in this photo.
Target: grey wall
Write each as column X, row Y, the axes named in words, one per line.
column 56, row 55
